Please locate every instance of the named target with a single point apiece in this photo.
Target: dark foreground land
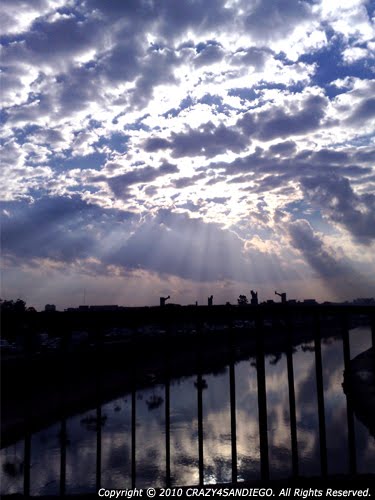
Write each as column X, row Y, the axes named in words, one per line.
column 349, row 486
column 359, row 385
column 40, row 386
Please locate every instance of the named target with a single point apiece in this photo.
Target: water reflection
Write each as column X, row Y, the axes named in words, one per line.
column 115, row 421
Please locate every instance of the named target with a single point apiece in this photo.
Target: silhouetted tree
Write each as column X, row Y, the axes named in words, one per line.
column 242, row 300
column 20, row 305
column 9, row 305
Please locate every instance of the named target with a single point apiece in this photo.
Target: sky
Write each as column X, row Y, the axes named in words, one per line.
column 187, row 148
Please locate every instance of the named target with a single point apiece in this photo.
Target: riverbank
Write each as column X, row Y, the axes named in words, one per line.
column 359, row 385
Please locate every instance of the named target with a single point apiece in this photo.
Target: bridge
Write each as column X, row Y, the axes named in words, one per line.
column 263, row 328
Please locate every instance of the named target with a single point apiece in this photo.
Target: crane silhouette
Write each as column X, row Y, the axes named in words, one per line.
column 282, row 295
column 163, row 299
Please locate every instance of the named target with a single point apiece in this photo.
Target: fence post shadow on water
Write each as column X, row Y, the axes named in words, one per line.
column 260, row 338
column 349, row 408
column 292, row 397
column 320, row 395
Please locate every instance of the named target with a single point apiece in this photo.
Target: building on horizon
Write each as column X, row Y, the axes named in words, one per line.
column 50, row 308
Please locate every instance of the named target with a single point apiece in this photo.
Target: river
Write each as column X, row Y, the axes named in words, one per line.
column 116, row 430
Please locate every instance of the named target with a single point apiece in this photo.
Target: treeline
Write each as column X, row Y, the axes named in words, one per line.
column 17, row 306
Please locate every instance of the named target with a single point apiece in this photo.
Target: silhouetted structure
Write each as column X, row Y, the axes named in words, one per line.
column 210, row 300
column 311, row 302
column 282, row 295
column 50, row 308
column 163, row 300
column 254, row 298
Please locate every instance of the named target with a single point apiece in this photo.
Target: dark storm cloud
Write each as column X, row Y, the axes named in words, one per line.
column 63, row 229
column 120, row 184
column 335, row 196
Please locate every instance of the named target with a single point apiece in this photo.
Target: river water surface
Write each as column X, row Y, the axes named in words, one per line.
column 81, row 449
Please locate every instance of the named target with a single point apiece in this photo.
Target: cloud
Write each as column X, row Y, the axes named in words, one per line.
column 338, row 274
column 35, row 45
column 276, row 122
column 119, row 184
column 208, row 140
column 251, row 56
column 335, row 196
column 267, row 20
column 61, row 229
column 123, row 62
column 69, row 230
column 208, row 53
column 157, row 67
column 11, row 20
column 183, row 182
column 285, row 148
column 304, row 239
column 364, row 111
column 202, row 16
column 176, row 244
